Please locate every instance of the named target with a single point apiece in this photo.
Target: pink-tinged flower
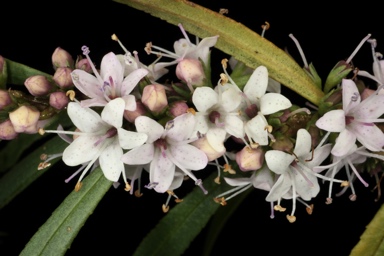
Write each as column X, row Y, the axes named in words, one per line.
column 38, row 85
column 191, row 72
column 296, row 177
column 250, row 159
column 58, row 100
column 109, row 83
column 61, row 58
column 63, row 78
column 154, row 98
column 356, row 121
column 166, row 149
column 7, row 132
column 25, row 119
column 100, row 138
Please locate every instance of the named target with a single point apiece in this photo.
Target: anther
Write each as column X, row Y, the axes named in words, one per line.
column 78, row 186
column 137, row 193
column 279, row 208
column 223, row 79
column 165, row 208
column 148, row 48
column 70, row 94
column 309, row 209
column 328, row 200
column 192, row 111
column 224, row 63
column 291, row 218
column 85, row 50
column 127, row 186
column 41, row 131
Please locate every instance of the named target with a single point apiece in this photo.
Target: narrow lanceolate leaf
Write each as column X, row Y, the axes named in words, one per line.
column 234, row 39
column 58, row 232
column 22, row 174
column 18, row 73
column 372, row 240
column 176, row 230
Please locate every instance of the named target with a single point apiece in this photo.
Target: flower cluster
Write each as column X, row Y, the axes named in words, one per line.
column 128, row 119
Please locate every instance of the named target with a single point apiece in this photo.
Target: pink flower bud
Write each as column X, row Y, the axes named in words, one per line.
column 190, row 71
column 7, row 132
column 62, row 59
column 131, row 115
column 38, row 85
column 58, row 100
column 154, row 97
column 204, row 146
column 24, row 119
column 178, row 108
column 5, row 99
column 63, row 78
column 250, row 159
column 83, row 64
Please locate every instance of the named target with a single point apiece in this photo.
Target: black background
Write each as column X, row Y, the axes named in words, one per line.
column 30, row 32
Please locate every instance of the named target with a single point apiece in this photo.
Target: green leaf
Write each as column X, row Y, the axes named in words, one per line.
column 234, row 39
column 55, row 236
column 176, row 230
column 372, row 240
column 22, row 174
column 18, row 73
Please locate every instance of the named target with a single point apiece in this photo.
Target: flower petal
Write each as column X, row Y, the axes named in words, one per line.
column 306, row 189
column 88, row 84
column 130, row 102
column 257, row 84
column 129, row 139
column 189, row 157
column 344, row 142
column 370, row 136
column 110, row 161
column 182, row 127
column 216, row 138
column 162, row 171
column 131, row 81
column 231, row 99
column 303, row 143
column 351, row 95
column 370, row 108
column 278, row 161
column 273, row 102
column 81, row 150
column 112, row 71
column 255, row 128
column 204, row 98
column 281, row 188
column 332, row 121
column 139, row 155
column 113, row 112
column 153, row 129
column 85, row 119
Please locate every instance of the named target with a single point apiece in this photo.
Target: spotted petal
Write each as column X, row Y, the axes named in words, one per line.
column 110, row 161
column 85, row 119
column 278, row 161
column 273, row 102
column 189, row 157
column 332, row 121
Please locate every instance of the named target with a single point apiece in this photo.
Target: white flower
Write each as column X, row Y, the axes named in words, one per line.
column 167, row 148
column 355, row 121
column 109, row 83
column 218, row 114
column 296, row 177
column 265, row 103
column 100, row 138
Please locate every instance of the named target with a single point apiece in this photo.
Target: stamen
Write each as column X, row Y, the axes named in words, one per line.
column 86, row 52
column 300, row 50
column 184, row 33
column 279, row 208
column 199, row 183
column 357, row 173
column 71, row 94
column 220, row 201
column 272, row 216
column 358, row 48
column 228, row 168
column 265, row 28
column 299, row 110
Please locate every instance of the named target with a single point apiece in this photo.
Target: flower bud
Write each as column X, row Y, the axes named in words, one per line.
column 178, row 108
column 154, row 98
column 190, row 71
column 5, row 99
column 58, row 100
column 7, row 132
column 250, row 159
column 131, row 115
column 204, row 146
column 38, row 85
column 24, row 119
column 62, row 59
column 63, row 77
column 282, row 143
column 83, row 64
